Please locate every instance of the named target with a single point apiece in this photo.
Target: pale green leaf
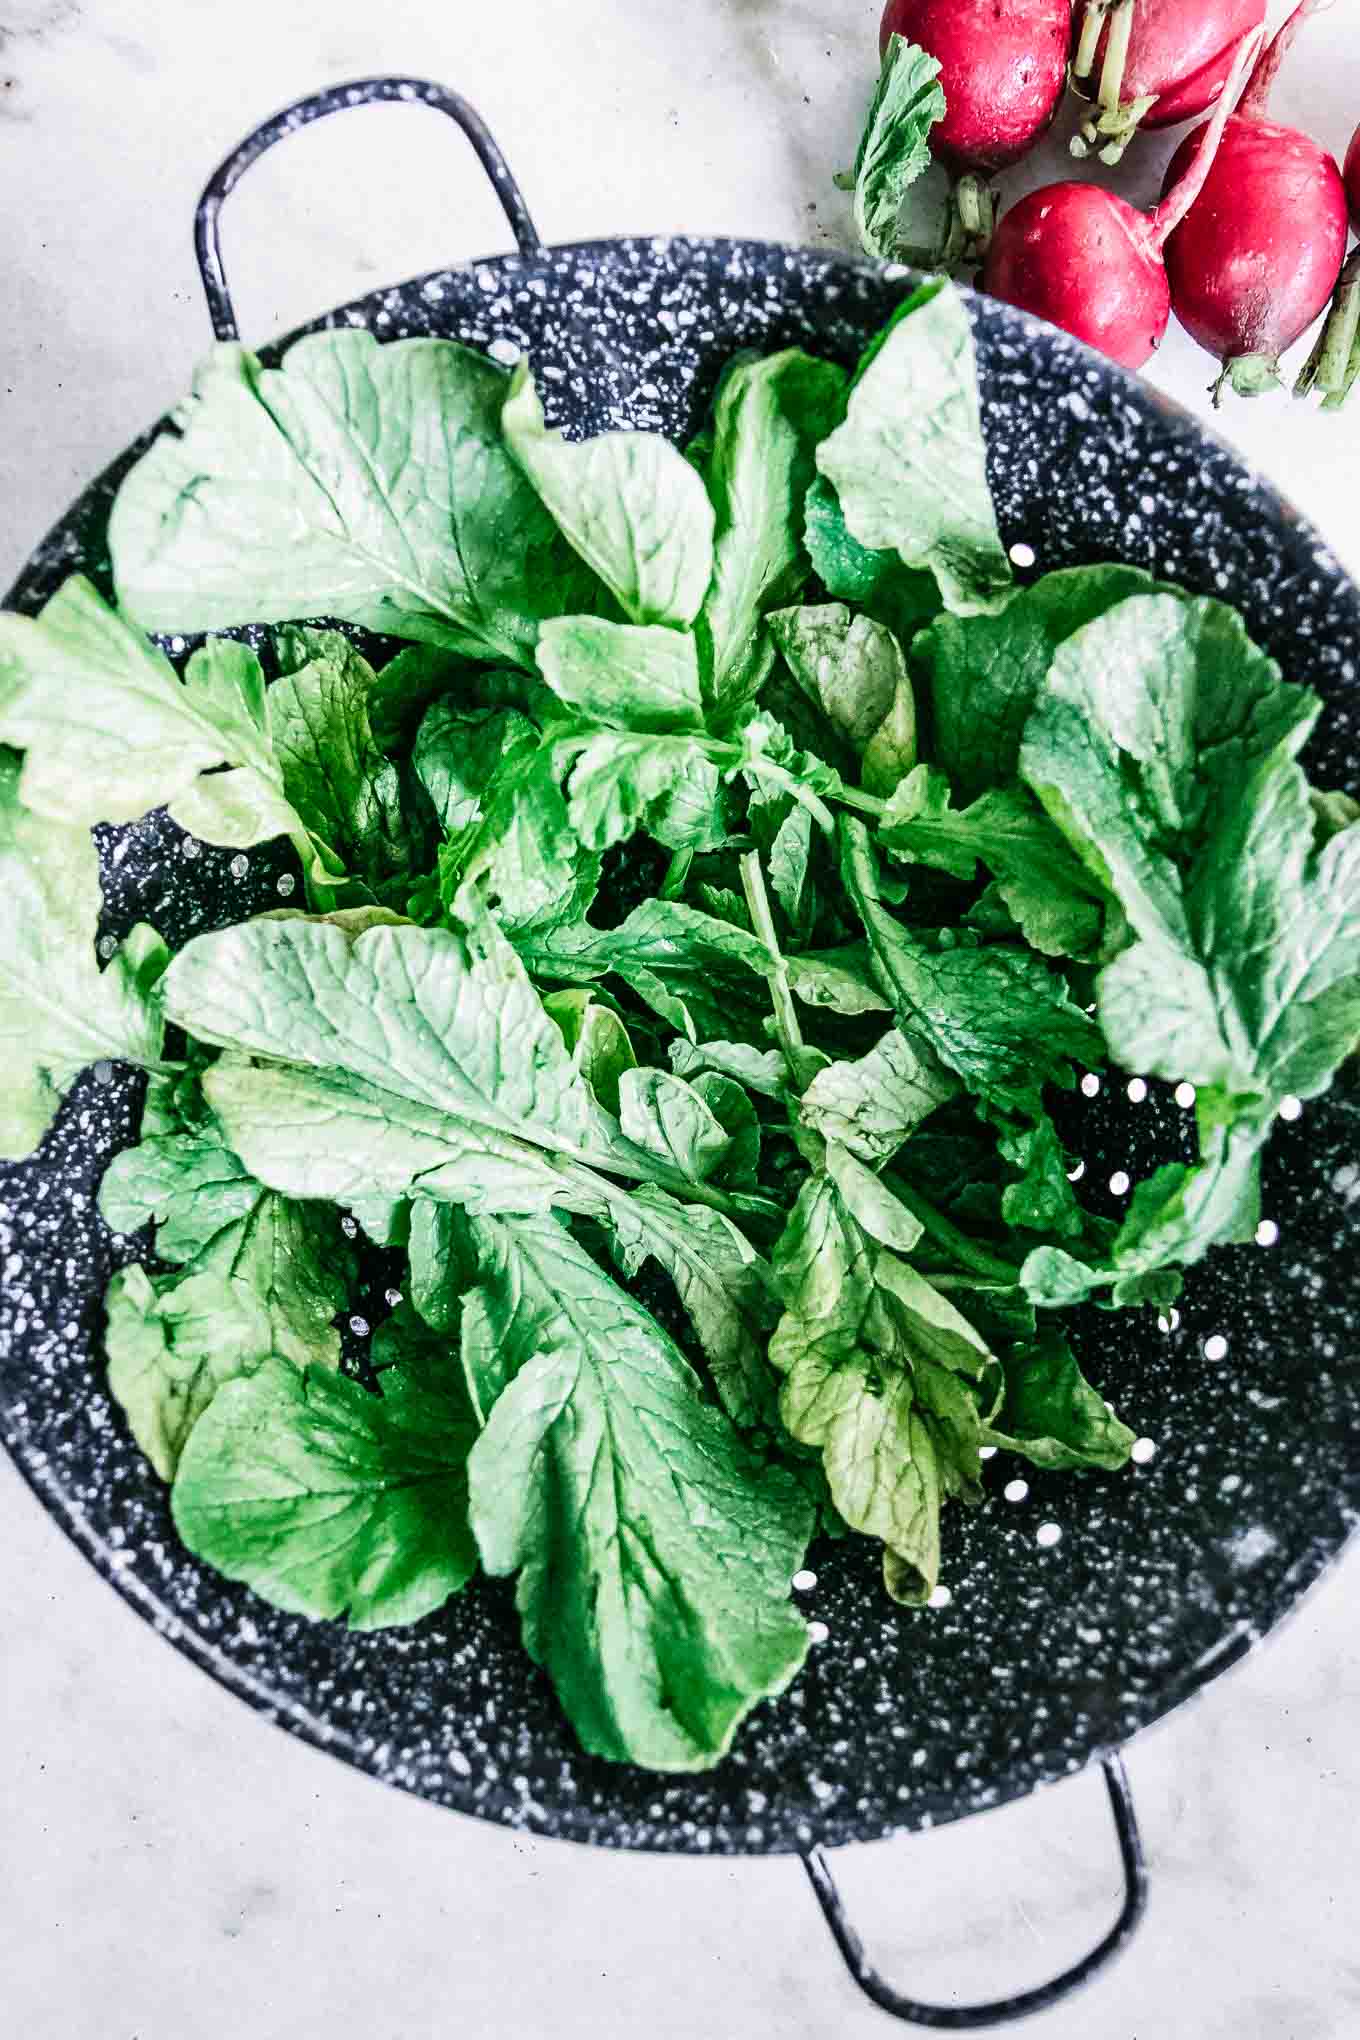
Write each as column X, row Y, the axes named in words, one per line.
column 722, row 1283
column 630, row 504
column 871, row 1105
column 908, row 462
column 213, row 1217
column 653, row 1553
column 621, row 675
column 170, row 1348
column 329, row 1500
column 850, row 666
column 109, row 728
column 365, row 482
column 669, row 1118
column 767, row 420
column 58, row 1011
column 895, row 146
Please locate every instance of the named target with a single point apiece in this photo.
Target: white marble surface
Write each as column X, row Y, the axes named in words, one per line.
column 168, row 1864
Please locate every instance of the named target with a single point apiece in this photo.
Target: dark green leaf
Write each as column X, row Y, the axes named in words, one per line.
column 997, row 1017
column 1053, row 899
column 1052, row 1415
column 985, row 672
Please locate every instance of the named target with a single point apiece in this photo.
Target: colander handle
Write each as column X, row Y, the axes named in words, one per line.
column 337, row 99
column 961, row 2018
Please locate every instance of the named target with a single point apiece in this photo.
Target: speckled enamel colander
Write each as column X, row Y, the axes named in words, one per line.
column 1079, row 1614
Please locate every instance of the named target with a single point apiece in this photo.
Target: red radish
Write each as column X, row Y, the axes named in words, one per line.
column 1003, row 64
column 1254, row 260
column 1333, row 367
column 1090, row 262
column 1152, row 63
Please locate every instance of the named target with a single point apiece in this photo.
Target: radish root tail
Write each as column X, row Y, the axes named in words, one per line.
column 1166, row 217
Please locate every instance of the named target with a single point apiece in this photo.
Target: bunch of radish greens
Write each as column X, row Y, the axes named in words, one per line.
column 1248, row 241
column 704, row 914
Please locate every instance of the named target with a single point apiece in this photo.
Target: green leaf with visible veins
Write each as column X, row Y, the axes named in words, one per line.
column 630, row 504
column 360, row 481
column 722, row 1283
column 653, row 1552
column 884, row 1377
column 1051, row 1413
column 1000, row 1019
column 622, row 675
column 519, row 854
column 1043, row 1199
column 347, row 793
column 768, row 418
column 619, row 781
column 110, row 729
column 58, row 1011
column 410, row 682
column 249, row 804
column 458, row 753
column 436, row 1019
column 789, row 861
column 903, row 597
column 330, row 1500
column 1165, row 747
column 404, row 1061
column 871, row 1105
column 759, row 1070
column 908, row 462
column 171, row 1346
column 704, row 976
column 1055, row 901
column 850, row 666
column 895, row 147
column 213, row 1218
column 442, row 1263
column 985, row 673
column 842, row 980
column 598, row 1040
column 670, row 1119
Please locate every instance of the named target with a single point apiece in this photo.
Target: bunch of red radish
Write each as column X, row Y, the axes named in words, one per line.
column 1250, row 234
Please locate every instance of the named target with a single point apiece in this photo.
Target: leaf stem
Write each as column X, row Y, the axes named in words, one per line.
column 1331, row 365
column 765, row 768
column 1092, row 21
column 963, row 1249
column 677, row 871
column 866, row 803
column 732, row 1204
column 762, row 920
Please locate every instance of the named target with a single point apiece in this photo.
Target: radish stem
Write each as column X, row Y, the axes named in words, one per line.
column 1255, row 100
column 1116, row 56
column 1166, row 217
column 1332, row 366
column 1092, row 21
